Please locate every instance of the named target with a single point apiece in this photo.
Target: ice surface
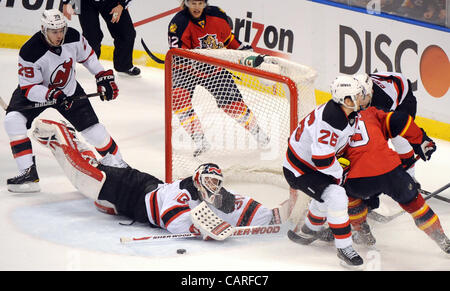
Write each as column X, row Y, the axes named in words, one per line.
column 59, row 229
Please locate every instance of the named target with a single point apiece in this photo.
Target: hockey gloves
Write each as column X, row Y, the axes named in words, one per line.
column 60, row 97
column 107, row 85
column 426, row 148
column 345, row 164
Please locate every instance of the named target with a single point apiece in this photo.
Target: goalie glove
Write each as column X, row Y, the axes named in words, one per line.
column 224, row 201
column 209, row 224
column 426, row 148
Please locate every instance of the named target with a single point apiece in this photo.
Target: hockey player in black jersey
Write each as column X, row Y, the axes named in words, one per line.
column 47, row 72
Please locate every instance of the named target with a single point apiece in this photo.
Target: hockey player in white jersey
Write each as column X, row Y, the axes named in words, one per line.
column 311, row 166
column 143, row 197
column 47, row 72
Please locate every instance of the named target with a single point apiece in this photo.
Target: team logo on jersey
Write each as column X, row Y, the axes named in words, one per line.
column 210, row 41
column 61, row 75
column 173, row 27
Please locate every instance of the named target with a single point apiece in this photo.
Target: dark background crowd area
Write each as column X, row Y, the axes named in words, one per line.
column 429, row 11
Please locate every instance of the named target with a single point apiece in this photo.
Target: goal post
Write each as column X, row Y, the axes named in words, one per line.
column 219, row 110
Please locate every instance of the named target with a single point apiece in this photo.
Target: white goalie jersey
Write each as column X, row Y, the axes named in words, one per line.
column 169, row 207
column 42, row 67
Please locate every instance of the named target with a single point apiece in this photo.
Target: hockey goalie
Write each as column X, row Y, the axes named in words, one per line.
column 178, row 207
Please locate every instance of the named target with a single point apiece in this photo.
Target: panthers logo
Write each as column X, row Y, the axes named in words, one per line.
column 210, row 41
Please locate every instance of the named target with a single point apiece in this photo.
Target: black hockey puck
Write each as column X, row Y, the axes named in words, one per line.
column 181, row 251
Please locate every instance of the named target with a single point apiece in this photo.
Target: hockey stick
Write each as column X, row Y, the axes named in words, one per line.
column 240, row 231
column 150, row 54
column 384, row 219
column 438, row 197
column 44, row 104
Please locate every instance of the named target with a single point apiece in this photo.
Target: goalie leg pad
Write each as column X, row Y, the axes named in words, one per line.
column 83, row 176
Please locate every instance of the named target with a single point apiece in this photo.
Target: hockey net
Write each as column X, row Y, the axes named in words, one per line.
column 239, row 116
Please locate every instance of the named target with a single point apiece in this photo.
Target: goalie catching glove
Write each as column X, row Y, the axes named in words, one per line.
column 209, row 224
column 107, row 85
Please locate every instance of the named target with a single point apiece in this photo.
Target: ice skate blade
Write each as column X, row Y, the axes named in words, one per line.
column 24, row 188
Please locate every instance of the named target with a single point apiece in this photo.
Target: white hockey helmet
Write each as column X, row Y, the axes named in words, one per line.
column 347, row 87
column 208, row 180
column 366, row 82
column 52, row 19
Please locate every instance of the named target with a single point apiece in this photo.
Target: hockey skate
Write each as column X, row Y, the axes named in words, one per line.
column 201, row 144
column 26, row 182
column 306, row 236
column 363, row 236
column 349, row 258
column 442, row 241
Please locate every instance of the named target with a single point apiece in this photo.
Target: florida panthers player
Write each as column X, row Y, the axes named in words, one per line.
column 393, row 91
column 47, row 72
column 199, row 26
column 311, row 165
column 367, row 176
column 143, row 197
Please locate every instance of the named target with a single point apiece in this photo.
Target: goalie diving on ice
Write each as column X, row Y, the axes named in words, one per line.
column 119, row 189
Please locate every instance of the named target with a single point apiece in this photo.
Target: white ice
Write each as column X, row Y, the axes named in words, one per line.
column 59, row 229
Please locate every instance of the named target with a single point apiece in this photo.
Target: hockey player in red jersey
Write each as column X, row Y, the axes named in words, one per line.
column 311, row 166
column 393, row 92
column 47, row 72
column 199, row 26
column 142, row 197
column 367, row 176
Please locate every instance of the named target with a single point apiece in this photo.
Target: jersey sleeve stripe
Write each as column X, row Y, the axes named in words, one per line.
column 249, row 212
column 405, row 129
column 154, row 208
column 388, row 123
column 297, row 163
column 172, row 213
column 323, row 162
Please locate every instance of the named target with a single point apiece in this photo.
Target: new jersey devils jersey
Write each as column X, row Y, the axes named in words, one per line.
column 169, row 207
column 42, row 67
column 319, row 137
column 368, row 151
column 210, row 31
column 390, row 90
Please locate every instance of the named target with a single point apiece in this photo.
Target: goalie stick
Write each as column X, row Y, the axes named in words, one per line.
column 44, row 104
column 385, row 219
column 240, row 231
column 150, row 54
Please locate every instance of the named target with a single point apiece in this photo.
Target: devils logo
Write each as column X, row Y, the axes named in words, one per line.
column 61, row 75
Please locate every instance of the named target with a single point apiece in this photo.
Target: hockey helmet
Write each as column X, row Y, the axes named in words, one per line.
column 366, row 82
column 347, row 87
column 53, row 19
column 208, row 180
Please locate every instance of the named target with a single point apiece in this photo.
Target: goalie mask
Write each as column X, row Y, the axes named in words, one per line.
column 51, row 21
column 208, row 180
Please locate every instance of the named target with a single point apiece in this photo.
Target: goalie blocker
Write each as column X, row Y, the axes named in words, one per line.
column 144, row 198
